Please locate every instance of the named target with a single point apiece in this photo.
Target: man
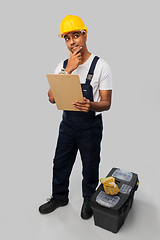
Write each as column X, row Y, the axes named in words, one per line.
column 80, row 130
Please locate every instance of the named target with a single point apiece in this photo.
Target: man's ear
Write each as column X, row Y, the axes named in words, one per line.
column 85, row 37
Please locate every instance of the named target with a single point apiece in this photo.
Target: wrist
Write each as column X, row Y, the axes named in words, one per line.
column 90, row 106
column 68, row 71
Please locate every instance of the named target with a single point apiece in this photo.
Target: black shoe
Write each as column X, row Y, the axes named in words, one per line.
column 86, row 211
column 51, row 205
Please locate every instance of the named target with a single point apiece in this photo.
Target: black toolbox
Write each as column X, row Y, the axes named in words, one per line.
column 110, row 212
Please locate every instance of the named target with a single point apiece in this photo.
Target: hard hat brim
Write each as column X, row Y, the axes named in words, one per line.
column 61, row 35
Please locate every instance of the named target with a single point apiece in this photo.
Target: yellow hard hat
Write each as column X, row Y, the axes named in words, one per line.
column 71, row 23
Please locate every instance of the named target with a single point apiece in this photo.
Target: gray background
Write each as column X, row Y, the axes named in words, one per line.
column 126, row 35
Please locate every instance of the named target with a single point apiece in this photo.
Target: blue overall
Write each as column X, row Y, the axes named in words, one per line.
column 78, row 131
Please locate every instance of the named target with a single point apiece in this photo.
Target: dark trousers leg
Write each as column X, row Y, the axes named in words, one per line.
column 64, row 159
column 89, row 146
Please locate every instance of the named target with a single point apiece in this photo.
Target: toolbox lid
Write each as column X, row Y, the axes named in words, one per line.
column 125, row 189
column 120, row 174
column 107, row 200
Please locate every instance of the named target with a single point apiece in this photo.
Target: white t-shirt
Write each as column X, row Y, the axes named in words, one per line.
column 102, row 78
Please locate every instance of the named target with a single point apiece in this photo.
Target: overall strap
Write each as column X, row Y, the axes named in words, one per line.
column 92, row 67
column 65, row 63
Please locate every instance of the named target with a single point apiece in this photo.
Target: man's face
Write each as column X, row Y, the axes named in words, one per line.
column 75, row 40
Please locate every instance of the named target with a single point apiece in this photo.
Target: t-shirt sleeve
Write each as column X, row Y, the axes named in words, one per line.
column 59, row 67
column 105, row 78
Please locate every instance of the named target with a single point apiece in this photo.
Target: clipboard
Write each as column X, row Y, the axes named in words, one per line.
column 66, row 89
